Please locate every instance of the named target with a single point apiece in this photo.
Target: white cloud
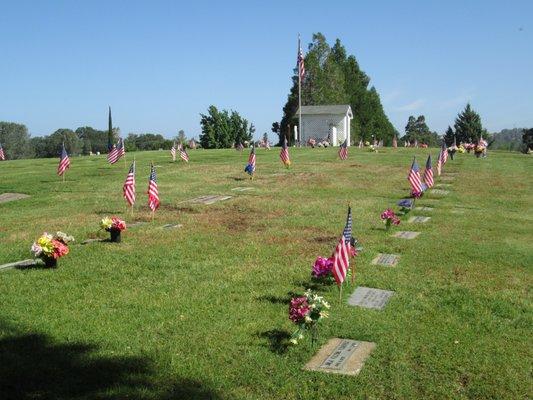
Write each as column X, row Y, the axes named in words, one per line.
column 415, row 105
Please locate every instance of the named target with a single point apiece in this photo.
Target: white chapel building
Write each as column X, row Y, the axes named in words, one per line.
column 320, row 122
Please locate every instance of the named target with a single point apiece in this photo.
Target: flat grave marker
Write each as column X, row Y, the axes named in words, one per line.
column 439, row 192
column 172, row 226
column 447, row 178
column 5, row 197
column 370, row 298
column 388, row 260
column 210, row 199
column 135, row 224
column 406, row 234
column 341, row 356
column 443, row 185
column 243, row 189
column 419, row 219
column 20, row 264
column 423, row 208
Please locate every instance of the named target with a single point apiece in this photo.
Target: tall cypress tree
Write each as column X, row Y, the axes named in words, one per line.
column 109, row 131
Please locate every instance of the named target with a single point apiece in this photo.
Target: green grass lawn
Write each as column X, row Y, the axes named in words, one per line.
column 201, row 311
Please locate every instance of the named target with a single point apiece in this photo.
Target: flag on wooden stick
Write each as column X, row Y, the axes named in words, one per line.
column 343, row 150
column 64, row 162
column 153, row 193
column 129, row 186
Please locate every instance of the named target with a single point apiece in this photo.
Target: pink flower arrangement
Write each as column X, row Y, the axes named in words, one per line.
column 390, row 218
column 322, row 267
column 306, row 311
column 113, row 224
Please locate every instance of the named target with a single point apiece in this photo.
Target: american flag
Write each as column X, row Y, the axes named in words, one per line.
column 343, row 150
column 341, row 261
column 153, row 193
column 300, row 61
column 64, row 162
column 121, row 150
column 129, row 186
column 112, row 156
column 284, row 153
column 173, row 151
column 2, row 155
column 428, row 173
column 347, row 233
column 443, row 157
column 183, row 154
column 414, row 177
column 250, row 167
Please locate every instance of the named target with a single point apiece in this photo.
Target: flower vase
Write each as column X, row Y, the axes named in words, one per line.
column 115, row 235
column 388, row 224
column 314, row 335
column 478, row 155
column 50, row 262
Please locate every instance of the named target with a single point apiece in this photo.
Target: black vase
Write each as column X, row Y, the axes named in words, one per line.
column 50, row 262
column 115, row 235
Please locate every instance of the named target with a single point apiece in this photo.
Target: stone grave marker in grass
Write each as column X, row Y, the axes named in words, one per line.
column 20, row 264
column 370, row 298
column 447, row 178
column 341, row 356
column 242, row 189
column 5, row 197
column 172, row 226
column 443, row 185
column 419, row 219
column 135, row 224
column 388, row 260
column 210, row 199
column 439, row 192
column 423, row 208
column 406, row 234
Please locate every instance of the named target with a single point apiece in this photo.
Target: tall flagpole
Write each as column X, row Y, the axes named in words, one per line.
column 299, row 95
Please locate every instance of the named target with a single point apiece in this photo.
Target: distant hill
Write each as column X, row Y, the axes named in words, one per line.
column 508, row 139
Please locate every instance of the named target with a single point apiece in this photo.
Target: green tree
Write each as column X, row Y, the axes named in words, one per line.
column 527, row 139
column 15, row 140
column 93, row 140
column 449, row 136
column 468, row 128
column 182, row 139
column 332, row 77
column 54, row 142
column 220, row 129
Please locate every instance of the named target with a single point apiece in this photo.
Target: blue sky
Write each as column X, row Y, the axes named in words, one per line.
column 160, row 64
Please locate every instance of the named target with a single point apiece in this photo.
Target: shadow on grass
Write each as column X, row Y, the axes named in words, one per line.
column 278, row 299
column 278, row 340
column 33, row 366
column 314, row 284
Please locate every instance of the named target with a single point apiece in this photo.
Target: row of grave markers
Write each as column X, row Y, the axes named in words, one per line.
column 347, row 356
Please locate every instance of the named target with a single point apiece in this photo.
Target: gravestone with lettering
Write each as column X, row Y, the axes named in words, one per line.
column 341, row 356
column 370, row 298
column 419, row 219
column 388, row 260
column 210, row 199
column 406, row 234
column 5, row 197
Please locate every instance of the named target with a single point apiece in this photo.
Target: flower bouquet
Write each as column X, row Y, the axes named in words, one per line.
column 51, row 247
column 478, row 150
column 307, row 311
column 322, row 268
column 114, row 226
column 389, row 218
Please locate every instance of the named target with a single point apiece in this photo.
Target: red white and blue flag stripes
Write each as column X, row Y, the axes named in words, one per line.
column 443, row 157
column 341, row 260
column 343, row 150
column 129, row 186
column 2, row 154
column 284, row 153
column 64, row 161
column 428, row 173
column 250, row 167
column 153, row 192
column 414, row 178
column 300, row 62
